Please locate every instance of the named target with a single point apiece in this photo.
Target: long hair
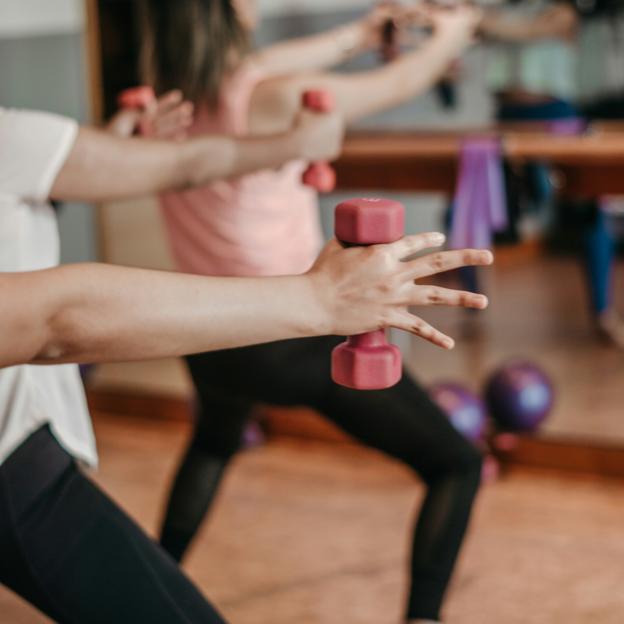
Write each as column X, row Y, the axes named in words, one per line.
column 190, row 45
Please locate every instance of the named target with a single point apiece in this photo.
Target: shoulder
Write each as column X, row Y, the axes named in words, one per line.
column 274, row 102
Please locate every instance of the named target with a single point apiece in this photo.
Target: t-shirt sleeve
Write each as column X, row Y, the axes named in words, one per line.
column 33, row 148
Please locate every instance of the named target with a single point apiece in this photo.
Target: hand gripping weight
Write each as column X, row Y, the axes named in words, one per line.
column 319, row 175
column 136, row 97
column 368, row 361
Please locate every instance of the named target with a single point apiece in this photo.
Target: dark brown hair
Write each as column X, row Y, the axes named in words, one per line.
column 190, row 45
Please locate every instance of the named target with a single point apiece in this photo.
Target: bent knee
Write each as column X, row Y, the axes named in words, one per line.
column 464, row 465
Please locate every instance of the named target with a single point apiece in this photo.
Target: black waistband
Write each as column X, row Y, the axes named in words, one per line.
column 33, row 467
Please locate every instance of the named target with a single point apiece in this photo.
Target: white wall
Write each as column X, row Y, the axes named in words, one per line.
column 22, row 18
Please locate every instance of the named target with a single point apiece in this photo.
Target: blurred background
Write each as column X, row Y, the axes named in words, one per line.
column 550, row 530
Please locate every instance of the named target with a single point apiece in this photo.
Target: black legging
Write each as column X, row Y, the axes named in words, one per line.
column 402, row 422
column 67, row 549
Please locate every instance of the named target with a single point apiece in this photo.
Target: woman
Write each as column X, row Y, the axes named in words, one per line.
column 66, row 547
column 267, row 224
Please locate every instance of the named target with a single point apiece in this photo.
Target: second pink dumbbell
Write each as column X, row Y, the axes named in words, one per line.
column 136, row 97
column 319, row 175
column 368, row 361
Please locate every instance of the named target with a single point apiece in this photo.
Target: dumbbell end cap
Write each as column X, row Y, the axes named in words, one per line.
column 318, row 100
column 366, row 368
column 369, row 221
column 136, row 97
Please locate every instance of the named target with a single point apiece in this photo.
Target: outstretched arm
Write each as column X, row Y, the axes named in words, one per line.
column 94, row 313
column 363, row 93
column 327, row 49
column 558, row 21
column 102, row 167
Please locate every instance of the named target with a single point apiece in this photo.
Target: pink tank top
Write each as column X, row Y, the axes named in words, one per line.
column 264, row 223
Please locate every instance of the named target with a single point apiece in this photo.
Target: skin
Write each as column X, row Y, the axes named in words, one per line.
column 96, row 313
column 102, row 166
column 559, row 21
column 293, row 67
column 168, row 117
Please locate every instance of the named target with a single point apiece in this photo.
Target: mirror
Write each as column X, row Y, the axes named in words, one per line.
column 542, row 307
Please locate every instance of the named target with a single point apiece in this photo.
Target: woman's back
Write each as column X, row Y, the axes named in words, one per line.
column 265, row 223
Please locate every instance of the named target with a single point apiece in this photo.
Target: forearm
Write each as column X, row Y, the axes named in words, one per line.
column 315, row 52
column 94, row 313
column 237, row 156
column 512, row 29
column 558, row 21
column 412, row 74
column 102, row 167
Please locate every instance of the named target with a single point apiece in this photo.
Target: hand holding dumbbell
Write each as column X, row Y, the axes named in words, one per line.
column 367, row 361
column 319, row 175
column 140, row 99
column 166, row 117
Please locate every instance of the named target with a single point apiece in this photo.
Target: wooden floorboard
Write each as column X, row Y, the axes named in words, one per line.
column 312, row 533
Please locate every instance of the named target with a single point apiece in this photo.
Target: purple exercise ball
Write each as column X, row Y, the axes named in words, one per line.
column 465, row 410
column 519, row 396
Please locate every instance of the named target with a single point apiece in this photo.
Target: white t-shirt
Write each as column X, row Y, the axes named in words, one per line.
column 33, row 147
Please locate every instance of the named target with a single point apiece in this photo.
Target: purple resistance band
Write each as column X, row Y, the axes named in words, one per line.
column 480, row 204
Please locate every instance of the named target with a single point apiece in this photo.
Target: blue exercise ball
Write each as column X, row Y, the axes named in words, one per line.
column 519, row 396
column 465, row 410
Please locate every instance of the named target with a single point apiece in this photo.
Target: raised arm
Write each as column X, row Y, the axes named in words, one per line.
column 363, row 93
column 558, row 21
column 327, row 49
column 103, row 167
column 94, row 313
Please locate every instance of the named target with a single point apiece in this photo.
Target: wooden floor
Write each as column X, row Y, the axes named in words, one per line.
column 309, row 533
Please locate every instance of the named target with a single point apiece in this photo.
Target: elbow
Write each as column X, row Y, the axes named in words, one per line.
column 61, row 339
column 55, row 346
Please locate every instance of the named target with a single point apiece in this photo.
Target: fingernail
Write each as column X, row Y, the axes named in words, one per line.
column 439, row 238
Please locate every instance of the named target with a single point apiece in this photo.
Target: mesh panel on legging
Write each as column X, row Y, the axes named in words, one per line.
column 401, row 422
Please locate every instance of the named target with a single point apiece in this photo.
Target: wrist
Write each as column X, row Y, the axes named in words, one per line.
column 355, row 37
column 292, row 145
column 316, row 303
column 452, row 38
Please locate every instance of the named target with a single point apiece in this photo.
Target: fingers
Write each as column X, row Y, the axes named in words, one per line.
column 410, row 245
column 124, row 123
column 176, row 121
column 436, row 296
column 169, row 100
column 417, row 326
column 171, row 116
column 447, row 261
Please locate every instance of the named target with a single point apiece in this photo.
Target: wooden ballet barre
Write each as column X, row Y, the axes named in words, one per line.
column 588, row 165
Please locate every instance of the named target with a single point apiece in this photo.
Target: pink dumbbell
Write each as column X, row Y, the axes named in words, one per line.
column 136, row 97
column 319, row 175
column 368, row 361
